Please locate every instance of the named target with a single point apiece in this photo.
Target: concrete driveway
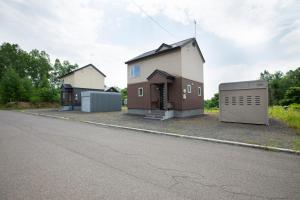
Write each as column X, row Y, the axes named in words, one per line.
column 43, row 158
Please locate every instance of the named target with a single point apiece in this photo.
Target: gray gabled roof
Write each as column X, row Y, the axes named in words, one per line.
column 89, row 65
column 170, row 47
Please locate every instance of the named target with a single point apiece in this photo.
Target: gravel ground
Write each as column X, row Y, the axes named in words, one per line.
column 276, row 134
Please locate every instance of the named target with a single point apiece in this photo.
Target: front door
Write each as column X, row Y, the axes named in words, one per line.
column 161, row 97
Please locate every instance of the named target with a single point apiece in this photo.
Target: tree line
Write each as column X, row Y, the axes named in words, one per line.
column 30, row 76
column 284, row 89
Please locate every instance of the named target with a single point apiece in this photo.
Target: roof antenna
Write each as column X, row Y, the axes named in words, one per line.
column 195, row 26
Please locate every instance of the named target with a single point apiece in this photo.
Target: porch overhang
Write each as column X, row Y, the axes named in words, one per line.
column 159, row 76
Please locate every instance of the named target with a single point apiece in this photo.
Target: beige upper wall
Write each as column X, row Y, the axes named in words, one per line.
column 191, row 63
column 169, row 62
column 85, row 78
column 185, row 62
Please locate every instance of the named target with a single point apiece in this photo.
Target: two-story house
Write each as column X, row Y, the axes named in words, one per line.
column 167, row 82
column 87, row 78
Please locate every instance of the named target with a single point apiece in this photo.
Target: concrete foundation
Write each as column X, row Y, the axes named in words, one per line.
column 170, row 113
column 188, row 113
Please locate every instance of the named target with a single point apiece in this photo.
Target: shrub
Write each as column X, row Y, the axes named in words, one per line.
column 35, row 99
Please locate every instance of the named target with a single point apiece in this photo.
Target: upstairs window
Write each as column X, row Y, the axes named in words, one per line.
column 189, row 88
column 135, row 71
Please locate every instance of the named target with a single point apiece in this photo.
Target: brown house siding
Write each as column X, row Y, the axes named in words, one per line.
column 192, row 101
column 136, row 102
column 175, row 93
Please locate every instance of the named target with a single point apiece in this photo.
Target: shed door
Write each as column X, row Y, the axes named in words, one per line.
column 85, row 104
column 245, row 106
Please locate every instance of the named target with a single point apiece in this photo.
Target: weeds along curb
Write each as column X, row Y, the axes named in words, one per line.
column 256, row 146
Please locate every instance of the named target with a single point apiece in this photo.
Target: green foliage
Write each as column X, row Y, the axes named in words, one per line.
column 29, row 76
column 292, row 95
column 296, row 144
column 282, row 89
column 213, row 102
column 59, row 69
column 290, row 116
column 14, row 88
column 124, row 94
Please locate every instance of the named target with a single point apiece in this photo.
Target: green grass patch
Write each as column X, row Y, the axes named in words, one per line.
column 290, row 116
column 27, row 105
column 296, row 144
column 211, row 110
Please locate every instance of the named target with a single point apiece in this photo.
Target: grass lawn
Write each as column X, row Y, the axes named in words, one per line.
column 211, row 110
column 290, row 116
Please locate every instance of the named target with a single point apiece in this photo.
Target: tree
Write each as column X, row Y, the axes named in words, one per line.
column 11, row 56
column 213, row 102
column 39, row 66
column 279, row 83
column 14, row 88
column 59, row 70
column 124, row 94
column 292, row 95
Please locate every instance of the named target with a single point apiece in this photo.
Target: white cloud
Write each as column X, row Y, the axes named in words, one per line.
column 65, row 30
column 71, row 30
column 291, row 41
column 246, row 23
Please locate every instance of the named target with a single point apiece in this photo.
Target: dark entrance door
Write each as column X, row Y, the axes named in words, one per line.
column 161, row 96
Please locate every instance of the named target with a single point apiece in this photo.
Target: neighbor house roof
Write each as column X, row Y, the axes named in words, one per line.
column 163, row 48
column 89, row 65
column 66, row 86
column 112, row 89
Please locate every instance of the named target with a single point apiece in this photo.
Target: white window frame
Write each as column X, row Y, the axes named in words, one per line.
column 132, row 75
column 142, row 93
column 189, row 88
column 199, row 91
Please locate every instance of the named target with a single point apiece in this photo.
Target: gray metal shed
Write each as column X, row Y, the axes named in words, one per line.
column 100, row 101
column 244, row 102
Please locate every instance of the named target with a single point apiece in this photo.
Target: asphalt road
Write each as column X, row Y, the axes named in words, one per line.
column 44, row 158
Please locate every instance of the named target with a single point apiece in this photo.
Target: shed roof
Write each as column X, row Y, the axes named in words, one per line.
column 244, row 85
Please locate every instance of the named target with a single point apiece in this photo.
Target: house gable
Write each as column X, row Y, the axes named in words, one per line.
column 86, row 77
column 192, row 62
column 169, row 62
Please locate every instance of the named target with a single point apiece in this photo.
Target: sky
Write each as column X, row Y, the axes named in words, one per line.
column 239, row 39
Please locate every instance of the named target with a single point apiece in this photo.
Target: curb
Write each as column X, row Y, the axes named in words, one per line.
column 45, row 115
column 255, row 146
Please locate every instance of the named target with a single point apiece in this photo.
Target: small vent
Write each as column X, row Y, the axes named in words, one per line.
column 257, row 100
column 226, row 101
column 249, row 100
column 241, row 100
column 233, row 102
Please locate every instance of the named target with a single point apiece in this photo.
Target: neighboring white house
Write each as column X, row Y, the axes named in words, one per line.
column 85, row 78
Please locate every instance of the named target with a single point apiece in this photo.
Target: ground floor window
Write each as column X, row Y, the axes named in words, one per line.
column 189, row 89
column 199, row 91
column 140, row 92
